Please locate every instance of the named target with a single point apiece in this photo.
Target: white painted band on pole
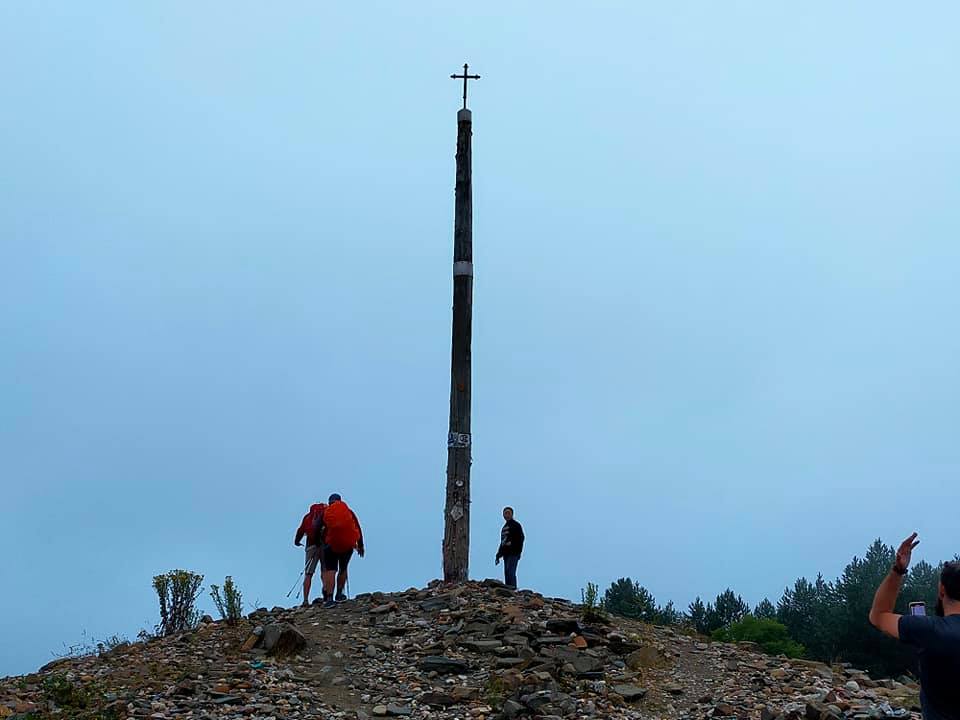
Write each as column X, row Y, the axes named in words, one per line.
column 462, row 267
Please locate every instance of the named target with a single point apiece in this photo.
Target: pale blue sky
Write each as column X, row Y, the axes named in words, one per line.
column 715, row 315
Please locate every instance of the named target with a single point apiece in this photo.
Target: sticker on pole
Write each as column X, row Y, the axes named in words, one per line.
column 458, row 440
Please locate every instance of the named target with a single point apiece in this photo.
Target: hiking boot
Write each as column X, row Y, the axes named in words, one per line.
column 341, row 597
column 329, row 603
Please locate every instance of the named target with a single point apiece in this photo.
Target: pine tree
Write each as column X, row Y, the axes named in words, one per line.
column 765, row 610
column 697, row 616
column 923, row 584
column 726, row 610
column 859, row 642
column 668, row 614
column 630, row 599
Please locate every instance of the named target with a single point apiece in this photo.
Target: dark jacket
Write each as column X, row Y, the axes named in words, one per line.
column 511, row 539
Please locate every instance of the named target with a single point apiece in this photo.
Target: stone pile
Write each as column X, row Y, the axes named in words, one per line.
column 473, row 652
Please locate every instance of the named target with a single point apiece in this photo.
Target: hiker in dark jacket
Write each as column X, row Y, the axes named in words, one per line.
column 308, row 528
column 511, row 547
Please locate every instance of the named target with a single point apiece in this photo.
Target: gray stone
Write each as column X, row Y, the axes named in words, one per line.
column 587, row 664
column 553, row 640
column 440, row 602
column 538, row 700
column 437, row 699
column 591, row 675
column 511, row 708
column 283, row 639
column 646, row 657
column 561, row 626
column 443, row 665
column 465, row 694
column 480, row 628
column 481, row 646
column 824, row 672
column 630, row 693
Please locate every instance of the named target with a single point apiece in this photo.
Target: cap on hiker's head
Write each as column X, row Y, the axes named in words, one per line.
column 334, row 498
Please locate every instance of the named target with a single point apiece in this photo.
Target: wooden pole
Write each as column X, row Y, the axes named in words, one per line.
column 456, row 535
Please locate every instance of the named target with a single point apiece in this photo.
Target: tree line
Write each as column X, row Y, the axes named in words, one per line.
column 818, row 619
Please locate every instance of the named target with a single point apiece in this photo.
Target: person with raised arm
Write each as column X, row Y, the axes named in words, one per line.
column 937, row 637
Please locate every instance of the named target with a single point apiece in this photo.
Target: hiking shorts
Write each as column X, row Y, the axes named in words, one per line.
column 335, row 561
column 313, row 553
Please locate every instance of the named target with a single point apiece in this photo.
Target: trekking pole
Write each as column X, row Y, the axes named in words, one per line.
column 295, row 584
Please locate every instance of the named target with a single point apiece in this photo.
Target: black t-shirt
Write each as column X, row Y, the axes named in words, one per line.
column 511, row 539
column 938, row 639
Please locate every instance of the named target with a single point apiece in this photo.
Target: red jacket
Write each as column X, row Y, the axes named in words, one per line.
column 308, row 522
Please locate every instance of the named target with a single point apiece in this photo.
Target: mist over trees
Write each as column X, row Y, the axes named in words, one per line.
column 819, row 619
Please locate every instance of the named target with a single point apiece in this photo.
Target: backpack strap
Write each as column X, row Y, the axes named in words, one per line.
column 317, row 531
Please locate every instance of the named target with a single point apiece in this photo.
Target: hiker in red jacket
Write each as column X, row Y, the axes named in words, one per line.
column 309, row 527
column 340, row 535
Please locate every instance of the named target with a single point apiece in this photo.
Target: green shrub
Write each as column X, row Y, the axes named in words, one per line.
column 495, row 691
column 592, row 610
column 75, row 700
column 63, row 693
column 230, row 603
column 177, row 592
column 630, row 599
column 770, row 635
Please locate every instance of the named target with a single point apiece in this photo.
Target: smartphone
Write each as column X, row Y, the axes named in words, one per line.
column 918, row 608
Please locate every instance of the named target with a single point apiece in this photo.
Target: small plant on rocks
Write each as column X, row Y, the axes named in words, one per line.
column 592, row 604
column 91, row 646
column 64, row 693
column 495, row 691
column 177, row 592
column 74, row 700
column 230, row 602
column 109, row 644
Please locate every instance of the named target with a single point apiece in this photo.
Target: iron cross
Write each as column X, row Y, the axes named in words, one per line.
column 465, row 77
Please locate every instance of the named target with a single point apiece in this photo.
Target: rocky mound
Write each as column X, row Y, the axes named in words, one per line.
column 477, row 651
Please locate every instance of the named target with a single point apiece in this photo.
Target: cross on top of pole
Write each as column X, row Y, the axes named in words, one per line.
column 465, row 77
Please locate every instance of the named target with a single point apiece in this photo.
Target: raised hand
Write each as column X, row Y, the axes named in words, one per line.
column 905, row 551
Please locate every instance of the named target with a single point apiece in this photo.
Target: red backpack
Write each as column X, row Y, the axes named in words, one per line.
column 342, row 531
column 313, row 521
